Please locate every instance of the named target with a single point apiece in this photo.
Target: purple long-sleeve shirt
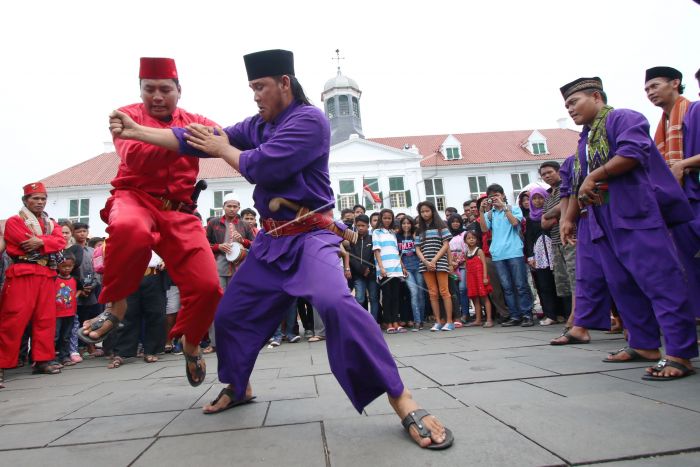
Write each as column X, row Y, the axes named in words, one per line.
column 647, row 195
column 691, row 147
column 287, row 158
column 565, row 173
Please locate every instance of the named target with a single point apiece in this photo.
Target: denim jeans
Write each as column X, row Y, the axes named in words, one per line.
column 364, row 285
column 416, row 285
column 463, row 299
column 291, row 319
column 513, row 275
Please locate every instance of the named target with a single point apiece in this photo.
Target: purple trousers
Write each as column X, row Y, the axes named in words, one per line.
column 687, row 239
column 262, row 291
column 645, row 278
column 593, row 301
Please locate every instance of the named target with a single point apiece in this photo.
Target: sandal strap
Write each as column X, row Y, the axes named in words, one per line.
column 224, row 392
column 104, row 316
column 664, row 362
column 415, row 418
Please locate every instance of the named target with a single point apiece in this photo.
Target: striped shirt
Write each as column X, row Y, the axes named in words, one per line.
column 385, row 241
column 430, row 242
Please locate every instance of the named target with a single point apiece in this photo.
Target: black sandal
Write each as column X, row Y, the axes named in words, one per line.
column 663, row 363
column 200, row 372
column 570, row 340
column 233, row 402
column 634, row 356
column 415, row 418
column 97, row 324
column 45, row 368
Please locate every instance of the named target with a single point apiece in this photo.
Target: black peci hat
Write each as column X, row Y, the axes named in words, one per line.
column 581, row 84
column 275, row 62
column 663, row 72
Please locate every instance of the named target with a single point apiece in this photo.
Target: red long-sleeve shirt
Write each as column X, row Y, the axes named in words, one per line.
column 16, row 231
column 156, row 170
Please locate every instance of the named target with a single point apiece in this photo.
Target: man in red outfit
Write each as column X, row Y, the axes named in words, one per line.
column 151, row 209
column 34, row 242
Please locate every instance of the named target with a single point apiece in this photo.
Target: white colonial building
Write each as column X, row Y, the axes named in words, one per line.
column 446, row 169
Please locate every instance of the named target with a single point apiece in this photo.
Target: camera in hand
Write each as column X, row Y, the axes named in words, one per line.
column 90, row 281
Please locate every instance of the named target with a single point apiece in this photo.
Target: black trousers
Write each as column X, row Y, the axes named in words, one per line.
column 64, row 330
column 306, row 314
column 391, row 299
column 145, row 311
column 552, row 305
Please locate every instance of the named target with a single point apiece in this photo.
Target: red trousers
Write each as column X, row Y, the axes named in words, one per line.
column 27, row 297
column 137, row 226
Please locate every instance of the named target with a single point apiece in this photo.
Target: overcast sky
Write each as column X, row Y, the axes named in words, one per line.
column 424, row 67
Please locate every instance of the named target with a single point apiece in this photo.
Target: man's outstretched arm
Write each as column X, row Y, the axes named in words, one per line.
column 123, row 127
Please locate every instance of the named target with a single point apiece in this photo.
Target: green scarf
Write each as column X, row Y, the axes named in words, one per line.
column 597, row 145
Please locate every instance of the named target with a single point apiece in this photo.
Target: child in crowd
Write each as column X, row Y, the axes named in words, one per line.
column 478, row 283
column 374, row 221
column 390, row 271
column 458, row 261
column 68, row 288
column 433, row 251
column 406, row 240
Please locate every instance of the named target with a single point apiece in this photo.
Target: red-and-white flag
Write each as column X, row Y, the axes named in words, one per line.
column 371, row 196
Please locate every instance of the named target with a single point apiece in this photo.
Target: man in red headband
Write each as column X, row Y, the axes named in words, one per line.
column 151, row 208
column 34, row 242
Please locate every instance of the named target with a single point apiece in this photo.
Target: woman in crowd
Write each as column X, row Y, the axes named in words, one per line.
column 390, row 271
column 407, row 247
column 540, row 255
column 433, row 251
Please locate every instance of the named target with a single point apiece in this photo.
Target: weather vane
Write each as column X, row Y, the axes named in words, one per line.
column 338, row 58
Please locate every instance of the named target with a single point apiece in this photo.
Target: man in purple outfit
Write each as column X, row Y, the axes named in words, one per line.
column 616, row 177
column 284, row 151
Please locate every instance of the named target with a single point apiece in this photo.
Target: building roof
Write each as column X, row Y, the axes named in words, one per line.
column 102, row 169
column 476, row 148
column 485, row 148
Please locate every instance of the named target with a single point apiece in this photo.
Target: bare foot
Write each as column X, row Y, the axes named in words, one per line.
column 669, row 371
column 225, row 400
column 405, row 404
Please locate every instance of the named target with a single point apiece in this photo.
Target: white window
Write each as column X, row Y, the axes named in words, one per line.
column 347, row 197
column 344, row 105
column 477, row 186
column 355, row 107
column 330, row 108
column 539, row 148
column 520, row 181
column 79, row 210
column 218, row 209
column 452, row 153
column 435, row 193
column 399, row 197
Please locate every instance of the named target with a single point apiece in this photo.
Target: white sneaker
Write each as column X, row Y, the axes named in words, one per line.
column 547, row 322
column 436, row 327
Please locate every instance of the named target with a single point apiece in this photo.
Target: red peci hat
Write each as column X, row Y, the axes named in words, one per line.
column 32, row 188
column 157, row 68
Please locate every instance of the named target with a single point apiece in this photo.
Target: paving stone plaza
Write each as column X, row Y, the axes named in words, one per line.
column 509, row 397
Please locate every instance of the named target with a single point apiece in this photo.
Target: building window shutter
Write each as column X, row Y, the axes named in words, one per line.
column 408, row 198
column 357, row 199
